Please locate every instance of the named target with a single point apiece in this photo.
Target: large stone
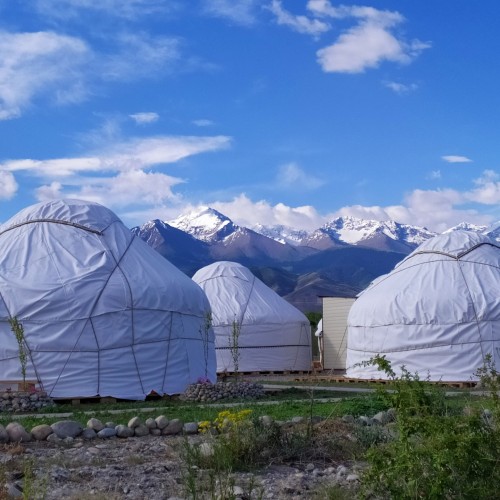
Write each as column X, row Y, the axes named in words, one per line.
column 67, row 428
column 96, row 424
column 53, row 438
column 174, row 427
column 135, row 422
column 190, row 428
column 89, row 434
column 124, row 431
column 17, row 433
column 141, row 430
column 151, row 423
column 161, row 421
column 4, row 435
column 107, row 432
column 41, row 432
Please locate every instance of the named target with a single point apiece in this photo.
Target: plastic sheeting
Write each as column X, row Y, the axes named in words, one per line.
column 437, row 312
column 103, row 313
column 274, row 335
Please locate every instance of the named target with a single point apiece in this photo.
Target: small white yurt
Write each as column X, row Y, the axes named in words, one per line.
column 437, row 313
column 102, row 312
column 273, row 334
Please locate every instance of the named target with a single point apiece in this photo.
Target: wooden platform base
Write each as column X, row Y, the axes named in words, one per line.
column 347, row 380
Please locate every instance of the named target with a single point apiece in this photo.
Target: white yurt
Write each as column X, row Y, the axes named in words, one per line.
column 102, row 312
column 273, row 334
column 437, row 312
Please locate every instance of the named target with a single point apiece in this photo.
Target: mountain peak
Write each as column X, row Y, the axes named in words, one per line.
column 206, row 224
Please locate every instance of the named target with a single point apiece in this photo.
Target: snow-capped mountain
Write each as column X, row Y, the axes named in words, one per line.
column 207, row 225
column 340, row 258
column 282, row 234
column 382, row 235
column 465, row 226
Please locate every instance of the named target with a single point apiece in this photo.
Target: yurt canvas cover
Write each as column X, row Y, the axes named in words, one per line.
column 437, row 312
column 103, row 313
column 274, row 335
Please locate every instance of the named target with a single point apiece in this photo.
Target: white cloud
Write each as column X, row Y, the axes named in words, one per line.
column 143, row 118
column 246, row 212
column 203, row 122
column 291, row 176
column 125, row 189
column 456, row 159
column 401, row 88
column 301, row 24
column 238, row 11
column 8, row 185
column 367, row 44
column 131, row 155
column 36, row 63
column 488, row 189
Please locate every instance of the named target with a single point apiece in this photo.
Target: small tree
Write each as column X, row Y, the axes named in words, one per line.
column 204, row 331
column 18, row 330
column 234, row 345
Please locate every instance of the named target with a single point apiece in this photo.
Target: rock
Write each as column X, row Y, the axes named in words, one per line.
column 238, row 491
column 380, row 418
column 363, row 420
column 110, row 425
column 161, row 422
column 135, row 422
column 67, row 428
column 4, row 435
column 297, row 420
column 190, row 428
column 352, row 477
column 89, row 434
column 309, row 467
column 106, row 433
column 155, row 432
column 348, row 419
column 174, row 427
column 141, row 430
column 41, row 432
column 124, row 431
column 17, row 433
column 151, row 423
column 95, row 424
column 14, row 490
column 68, row 440
column 53, row 438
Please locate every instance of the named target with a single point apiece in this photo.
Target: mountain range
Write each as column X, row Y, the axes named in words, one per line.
column 338, row 259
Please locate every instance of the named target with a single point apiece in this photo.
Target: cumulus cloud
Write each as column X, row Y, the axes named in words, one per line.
column 456, row 159
column 35, row 63
column 246, row 212
column 401, row 88
column 300, row 24
column 487, row 191
column 241, row 12
column 291, row 176
column 8, row 185
column 369, row 42
column 143, row 118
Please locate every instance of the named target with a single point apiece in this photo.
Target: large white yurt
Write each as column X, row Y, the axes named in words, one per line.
column 437, row 312
column 273, row 334
column 102, row 312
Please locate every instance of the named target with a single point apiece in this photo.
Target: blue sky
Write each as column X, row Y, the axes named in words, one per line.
column 274, row 111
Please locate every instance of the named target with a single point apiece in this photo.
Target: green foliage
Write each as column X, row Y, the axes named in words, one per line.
column 313, row 318
column 204, row 333
column 18, row 330
column 434, row 455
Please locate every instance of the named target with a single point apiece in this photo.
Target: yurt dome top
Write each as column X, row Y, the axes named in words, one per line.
column 85, row 214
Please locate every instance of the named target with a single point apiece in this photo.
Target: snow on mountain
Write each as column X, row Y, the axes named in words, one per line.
column 206, row 224
column 465, row 226
column 354, row 231
column 282, row 234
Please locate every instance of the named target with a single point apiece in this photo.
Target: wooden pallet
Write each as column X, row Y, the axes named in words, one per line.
column 222, row 376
